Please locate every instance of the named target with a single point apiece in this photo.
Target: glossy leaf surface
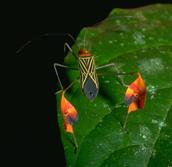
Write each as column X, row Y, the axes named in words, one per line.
column 136, row 40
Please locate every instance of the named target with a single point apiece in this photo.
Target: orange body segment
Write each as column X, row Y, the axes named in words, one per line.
column 69, row 114
column 135, row 95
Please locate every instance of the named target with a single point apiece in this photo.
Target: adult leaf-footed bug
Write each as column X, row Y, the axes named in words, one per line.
column 88, row 71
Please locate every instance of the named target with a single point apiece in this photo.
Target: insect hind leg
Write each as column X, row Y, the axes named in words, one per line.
column 119, row 74
column 58, row 77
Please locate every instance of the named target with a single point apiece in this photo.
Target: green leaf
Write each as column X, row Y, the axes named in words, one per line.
column 135, row 40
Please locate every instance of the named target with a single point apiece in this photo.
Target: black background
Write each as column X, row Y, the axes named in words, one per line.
column 31, row 129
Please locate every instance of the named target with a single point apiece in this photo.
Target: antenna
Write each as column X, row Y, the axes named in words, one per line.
column 84, row 38
column 43, row 35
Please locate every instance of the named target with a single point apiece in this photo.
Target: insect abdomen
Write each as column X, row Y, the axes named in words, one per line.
column 90, row 90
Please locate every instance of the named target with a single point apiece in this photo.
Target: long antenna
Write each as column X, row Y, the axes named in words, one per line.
column 43, row 35
column 84, row 38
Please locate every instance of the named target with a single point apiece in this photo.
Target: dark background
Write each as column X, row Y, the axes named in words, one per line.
column 31, row 129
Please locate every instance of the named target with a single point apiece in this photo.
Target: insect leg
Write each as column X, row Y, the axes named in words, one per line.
column 57, row 74
column 63, row 66
column 66, row 45
column 105, row 66
column 118, row 72
column 77, row 79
